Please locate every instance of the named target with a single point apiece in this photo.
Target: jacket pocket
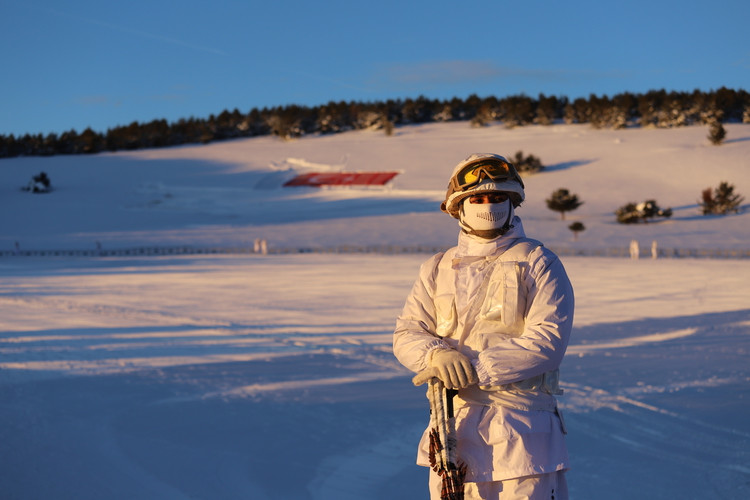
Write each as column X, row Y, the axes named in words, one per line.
column 498, row 426
column 502, row 301
column 447, row 320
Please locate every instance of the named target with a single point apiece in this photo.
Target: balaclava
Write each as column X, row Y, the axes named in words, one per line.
column 486, row 220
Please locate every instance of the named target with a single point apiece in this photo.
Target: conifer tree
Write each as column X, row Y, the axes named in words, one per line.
column 387, row 124
column 563, row 201
column 721, row 200
column 716, row 133
column 576, row 227
column 483, row 116
column 546, row 110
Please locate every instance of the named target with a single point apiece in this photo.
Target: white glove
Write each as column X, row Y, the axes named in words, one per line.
column 453, row 368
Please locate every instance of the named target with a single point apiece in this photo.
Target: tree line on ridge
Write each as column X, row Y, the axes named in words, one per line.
column 657, row 108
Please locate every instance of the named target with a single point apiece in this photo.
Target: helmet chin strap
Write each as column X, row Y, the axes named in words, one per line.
column 487, row 234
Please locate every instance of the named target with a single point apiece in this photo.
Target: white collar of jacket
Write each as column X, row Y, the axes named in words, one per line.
column 474, row 246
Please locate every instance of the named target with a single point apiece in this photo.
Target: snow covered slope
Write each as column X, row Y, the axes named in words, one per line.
column 230, row 193
column 272, row 377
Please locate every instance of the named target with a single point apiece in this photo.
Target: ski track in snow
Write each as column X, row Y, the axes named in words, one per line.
column 671, row 450
column 140, row 329
column 629, row 342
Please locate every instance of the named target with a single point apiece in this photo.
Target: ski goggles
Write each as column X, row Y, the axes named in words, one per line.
column 473, row 174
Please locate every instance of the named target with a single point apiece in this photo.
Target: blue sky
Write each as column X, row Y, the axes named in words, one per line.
column 101, row 64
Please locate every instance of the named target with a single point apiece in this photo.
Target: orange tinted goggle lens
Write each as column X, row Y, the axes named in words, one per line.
column 474, row 173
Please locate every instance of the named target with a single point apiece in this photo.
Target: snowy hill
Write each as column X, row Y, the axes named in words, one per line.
column 256, row 376
column 229, row 193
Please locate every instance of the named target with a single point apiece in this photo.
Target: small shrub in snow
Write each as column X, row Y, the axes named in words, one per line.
column 633, row 213
column 39, row 184
column 526, row 164
column 721, row 200
column 563, row 201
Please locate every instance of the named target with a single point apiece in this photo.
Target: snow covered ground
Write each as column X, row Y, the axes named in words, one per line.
column 271, row 376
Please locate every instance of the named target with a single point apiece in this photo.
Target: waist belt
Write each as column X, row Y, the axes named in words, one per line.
column 548, row 382
column 535, row 393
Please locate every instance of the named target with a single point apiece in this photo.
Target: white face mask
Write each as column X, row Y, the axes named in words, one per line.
column 485, row 216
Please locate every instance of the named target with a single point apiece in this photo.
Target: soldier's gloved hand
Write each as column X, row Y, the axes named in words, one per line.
column 453, row 368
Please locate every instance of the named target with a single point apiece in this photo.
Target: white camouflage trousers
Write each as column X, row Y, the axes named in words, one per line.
column 551, row 486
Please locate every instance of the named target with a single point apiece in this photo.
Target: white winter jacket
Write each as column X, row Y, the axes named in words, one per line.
column 508, row 305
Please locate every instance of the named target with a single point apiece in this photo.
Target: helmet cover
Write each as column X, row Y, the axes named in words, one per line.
column 505, row 179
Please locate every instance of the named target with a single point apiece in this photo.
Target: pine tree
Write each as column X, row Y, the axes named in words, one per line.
column 517, row 111
column 483, row 117
column 576, row 227
column 89, row 142
column 563, row 201
column 546, row 110
column 387, row 124
column 716, row 133
column 721, row 200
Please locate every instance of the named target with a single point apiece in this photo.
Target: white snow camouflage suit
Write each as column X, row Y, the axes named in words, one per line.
column 508, row 305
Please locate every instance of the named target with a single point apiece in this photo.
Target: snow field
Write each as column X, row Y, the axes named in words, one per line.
column 219, row 377
column 272, row 377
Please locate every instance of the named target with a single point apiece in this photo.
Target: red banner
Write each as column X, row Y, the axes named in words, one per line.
column 317, row 179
